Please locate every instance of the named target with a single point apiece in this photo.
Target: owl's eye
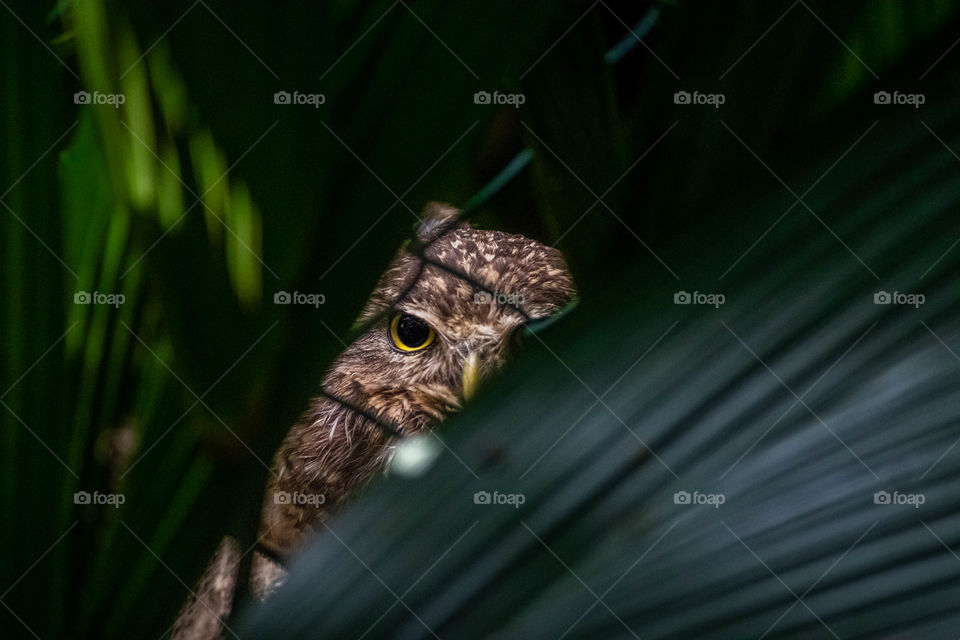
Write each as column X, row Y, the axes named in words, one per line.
column 410, row 333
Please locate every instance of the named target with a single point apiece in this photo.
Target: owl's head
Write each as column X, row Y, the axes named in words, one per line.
column 438, row 324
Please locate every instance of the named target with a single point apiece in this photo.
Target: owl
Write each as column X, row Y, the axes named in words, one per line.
column 440, row 319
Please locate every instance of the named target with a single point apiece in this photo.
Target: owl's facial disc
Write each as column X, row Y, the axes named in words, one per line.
column 410, row 334
column 434, row 332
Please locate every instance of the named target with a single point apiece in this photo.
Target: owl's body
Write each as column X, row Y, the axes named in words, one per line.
column 435, row 323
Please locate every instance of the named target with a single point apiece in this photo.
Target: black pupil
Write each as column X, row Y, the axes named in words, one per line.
column 412, row 331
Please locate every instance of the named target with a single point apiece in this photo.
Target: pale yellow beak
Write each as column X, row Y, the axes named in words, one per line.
column 471, row 376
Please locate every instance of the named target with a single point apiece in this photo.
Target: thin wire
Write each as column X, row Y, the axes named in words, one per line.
column 388, row 427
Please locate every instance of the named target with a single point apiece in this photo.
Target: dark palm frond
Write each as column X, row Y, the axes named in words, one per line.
column 796, row 401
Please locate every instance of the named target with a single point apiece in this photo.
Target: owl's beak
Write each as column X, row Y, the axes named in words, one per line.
column 471, row 376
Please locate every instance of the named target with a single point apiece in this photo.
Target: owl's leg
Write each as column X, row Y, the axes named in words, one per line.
column 202, row 616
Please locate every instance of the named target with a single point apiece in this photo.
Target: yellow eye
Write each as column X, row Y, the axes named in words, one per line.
column 410, row 333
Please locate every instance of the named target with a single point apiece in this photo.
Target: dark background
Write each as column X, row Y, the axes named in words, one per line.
column 798, row 199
